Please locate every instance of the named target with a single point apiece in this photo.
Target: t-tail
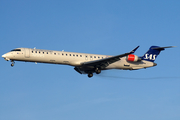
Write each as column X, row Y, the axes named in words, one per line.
column 153, row 52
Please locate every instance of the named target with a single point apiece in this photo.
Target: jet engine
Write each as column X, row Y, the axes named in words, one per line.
column 133, row 58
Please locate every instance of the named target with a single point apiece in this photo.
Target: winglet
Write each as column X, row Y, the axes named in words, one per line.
column 134, row 49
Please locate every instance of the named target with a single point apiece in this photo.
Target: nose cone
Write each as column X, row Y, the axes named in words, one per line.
column 4, row 56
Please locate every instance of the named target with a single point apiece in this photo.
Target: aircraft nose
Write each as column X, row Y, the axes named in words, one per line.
column 4, row 55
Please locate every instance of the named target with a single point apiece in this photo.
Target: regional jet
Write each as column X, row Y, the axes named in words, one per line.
column 85, row 63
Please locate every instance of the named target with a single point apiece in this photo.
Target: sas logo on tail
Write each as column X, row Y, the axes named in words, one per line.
column 150, row 56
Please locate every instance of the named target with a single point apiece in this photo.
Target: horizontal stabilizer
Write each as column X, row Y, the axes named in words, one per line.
column 162, row 48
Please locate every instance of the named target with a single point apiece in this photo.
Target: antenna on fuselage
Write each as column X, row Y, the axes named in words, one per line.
column 34, row 47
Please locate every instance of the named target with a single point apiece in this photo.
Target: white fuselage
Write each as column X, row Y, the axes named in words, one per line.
column 70, row 58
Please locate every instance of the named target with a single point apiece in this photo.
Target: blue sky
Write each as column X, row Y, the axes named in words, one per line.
column 31, row 91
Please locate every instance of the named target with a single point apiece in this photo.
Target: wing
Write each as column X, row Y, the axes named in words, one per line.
column 102, row 63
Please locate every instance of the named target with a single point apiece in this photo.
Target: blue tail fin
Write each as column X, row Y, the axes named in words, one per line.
column 152, row 53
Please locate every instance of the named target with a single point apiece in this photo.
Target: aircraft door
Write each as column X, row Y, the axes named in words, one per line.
column 86, row 57
column 27, row 53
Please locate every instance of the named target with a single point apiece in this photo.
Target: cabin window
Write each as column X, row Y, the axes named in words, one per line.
column 66, row 54
column 58, row 53
column 94, row 56
column 62, row 54
column 98, row 57
column 32, row 51
column 47, row 52
column 90, row 56
column 36, row 51
column 43, row 52
column 69, row 54
column 73, row 55
column 39, row 52
column 76, row 55
column 102, row 57
column 54, row 53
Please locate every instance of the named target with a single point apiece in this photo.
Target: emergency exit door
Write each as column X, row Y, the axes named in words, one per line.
column 27, row 53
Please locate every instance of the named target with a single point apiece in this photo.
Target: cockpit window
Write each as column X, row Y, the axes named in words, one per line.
column 16, row 50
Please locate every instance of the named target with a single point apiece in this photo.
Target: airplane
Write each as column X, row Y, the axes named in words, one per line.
column 85, row 63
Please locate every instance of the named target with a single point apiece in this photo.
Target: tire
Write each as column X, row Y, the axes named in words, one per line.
column 90, row 75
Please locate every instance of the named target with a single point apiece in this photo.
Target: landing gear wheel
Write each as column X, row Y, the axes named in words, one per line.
column 12, row 64
column 97, row 71
column 90, row 75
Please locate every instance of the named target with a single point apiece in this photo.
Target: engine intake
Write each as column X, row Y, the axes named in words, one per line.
column 133, row 58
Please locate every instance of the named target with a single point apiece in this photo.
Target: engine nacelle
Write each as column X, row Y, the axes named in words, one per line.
column 133, row 58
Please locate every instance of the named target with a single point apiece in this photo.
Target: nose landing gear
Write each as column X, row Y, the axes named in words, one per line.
column 12, row 64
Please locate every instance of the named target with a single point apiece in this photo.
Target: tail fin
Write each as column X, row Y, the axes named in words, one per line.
column 153, row 52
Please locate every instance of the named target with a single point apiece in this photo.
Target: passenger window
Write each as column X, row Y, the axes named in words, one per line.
column 69, row 54
column 47, row 52
column 76, row 55
column 94, row 56
column 73, row 55
column 54, row 53
column 39, row 52
column 62, row 54
column 43, row 52
column 32, row 51
column 36, row 51
column 98, row 57
column 90, row 56
column 102, row 57
column 58, row 53
column 66, row 54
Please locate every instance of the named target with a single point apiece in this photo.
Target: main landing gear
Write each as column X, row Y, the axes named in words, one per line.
column 97, row 70
column 12, row 64
column 90, row 75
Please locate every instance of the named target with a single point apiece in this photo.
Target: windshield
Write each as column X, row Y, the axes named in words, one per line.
column 16, row 50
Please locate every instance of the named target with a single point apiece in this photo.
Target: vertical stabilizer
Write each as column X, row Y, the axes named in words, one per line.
column 153, row 52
